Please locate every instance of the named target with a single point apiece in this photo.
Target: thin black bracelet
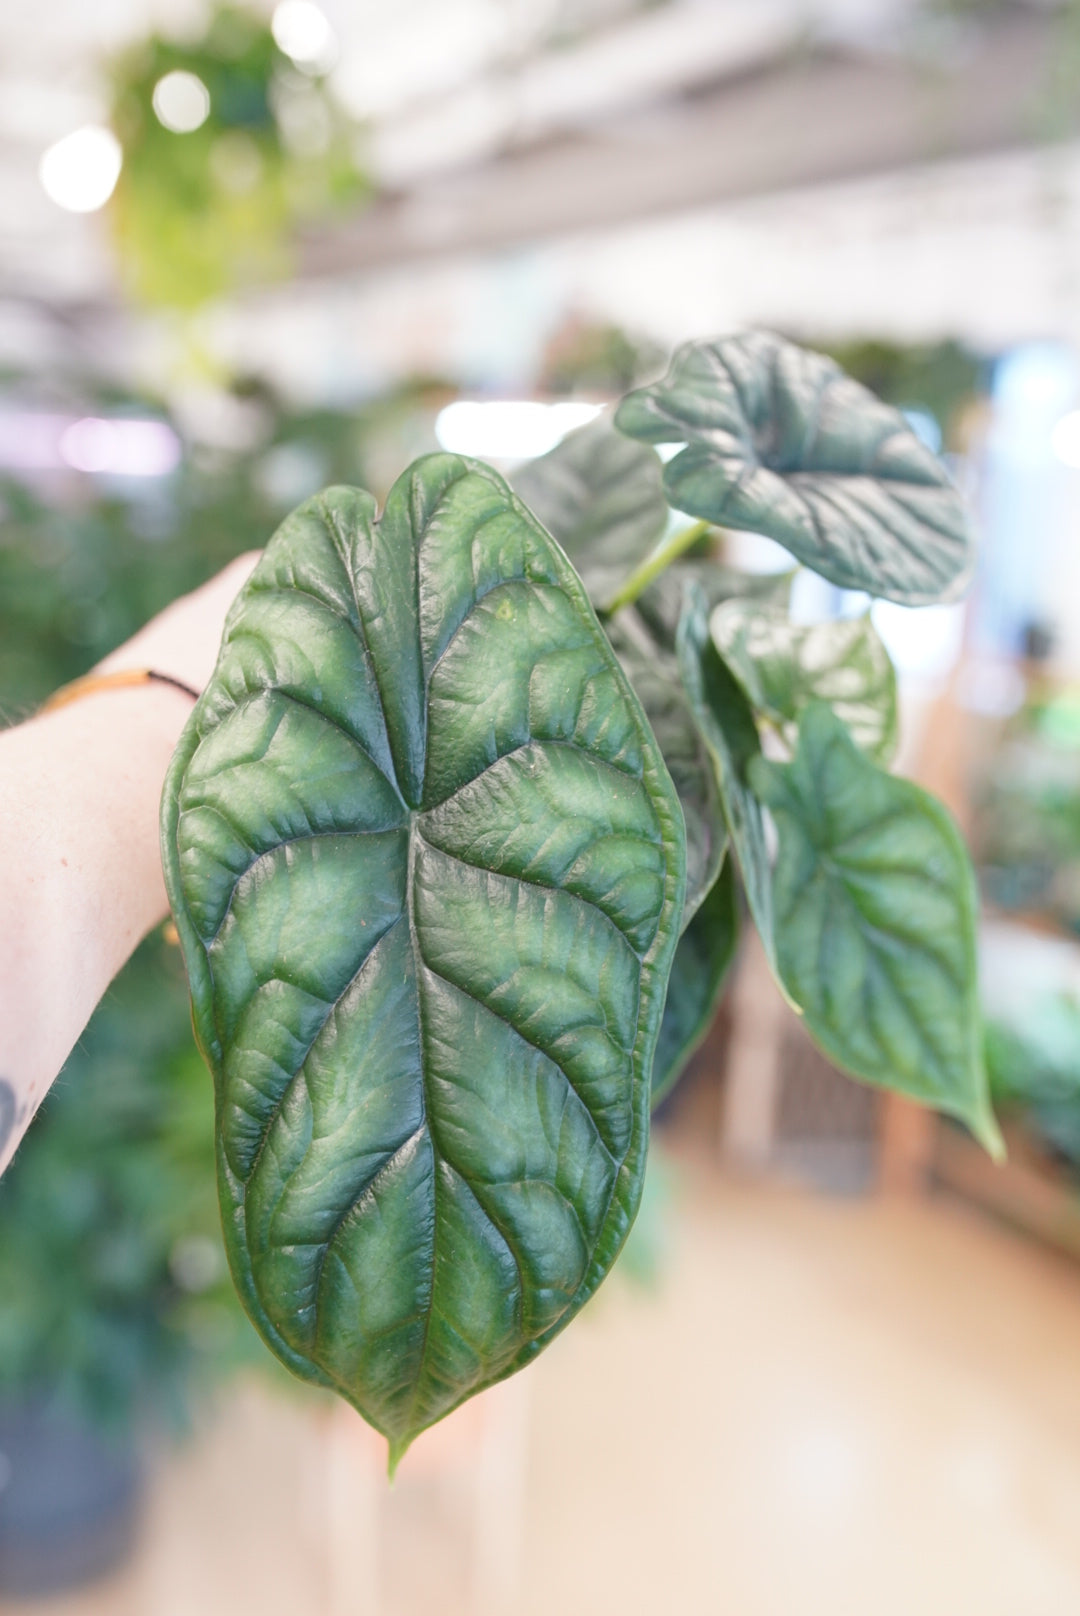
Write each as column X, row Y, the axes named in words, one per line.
column 122, row 679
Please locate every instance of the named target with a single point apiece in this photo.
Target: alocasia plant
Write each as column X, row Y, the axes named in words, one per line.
column 429, row 833
column 428, row 868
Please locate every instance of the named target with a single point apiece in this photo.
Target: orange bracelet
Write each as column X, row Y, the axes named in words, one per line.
column 123, row 679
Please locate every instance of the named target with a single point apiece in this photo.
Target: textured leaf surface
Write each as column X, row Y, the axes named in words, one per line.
column 727, row 725
column 602, row 497
column 427, row 868
column 780, row 441
column 875, row 922
column 783, row 666
column 654, row 674
column 702, row 960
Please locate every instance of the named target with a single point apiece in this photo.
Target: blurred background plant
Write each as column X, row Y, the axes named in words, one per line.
column 116, row 1297
column 1034, row 1068
column 230, row 142
column 1026, row 828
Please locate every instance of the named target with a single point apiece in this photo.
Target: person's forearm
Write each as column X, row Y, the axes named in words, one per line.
column 80, row 874
column 80, row 864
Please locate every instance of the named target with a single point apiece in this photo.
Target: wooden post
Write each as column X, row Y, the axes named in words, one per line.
column 752, row 1089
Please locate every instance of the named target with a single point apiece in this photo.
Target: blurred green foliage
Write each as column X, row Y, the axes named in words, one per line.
column 597, row 360
column 1026, row 827
column 943, row 378
column 1034, row 1074
column 200, row 211
column 115, row 1295
column 81, row 569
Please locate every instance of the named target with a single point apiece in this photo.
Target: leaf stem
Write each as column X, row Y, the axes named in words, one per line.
column 669, row 549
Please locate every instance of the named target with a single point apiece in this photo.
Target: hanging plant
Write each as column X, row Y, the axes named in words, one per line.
column 228, row 146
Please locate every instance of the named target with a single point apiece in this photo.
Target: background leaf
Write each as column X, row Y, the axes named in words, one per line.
column 727, row 725
column 875, row 907
column 779, row 441
column 427, row 868
column 783, row 666
column 602, row 497
column 654, row 674
column 661, row 605
column 702, row 961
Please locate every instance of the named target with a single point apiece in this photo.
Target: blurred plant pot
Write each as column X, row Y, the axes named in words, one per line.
column 69, row 1501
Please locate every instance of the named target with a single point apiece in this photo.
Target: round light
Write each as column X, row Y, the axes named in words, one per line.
column 304, row 33
column 1065, row 440
column 182, row 102
column 80, row 172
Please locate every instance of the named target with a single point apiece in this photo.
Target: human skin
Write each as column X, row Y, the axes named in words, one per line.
column 80, row 876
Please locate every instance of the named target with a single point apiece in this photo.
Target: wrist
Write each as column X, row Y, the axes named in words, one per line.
column 104, row 680
column 133, row 703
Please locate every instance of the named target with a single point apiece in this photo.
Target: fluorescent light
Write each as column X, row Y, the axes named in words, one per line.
column 36, row 440
column 80, row 172
column 1065, row 440
column 181, row 102
column 301, row 29
column 508, row 429
column 120, row 448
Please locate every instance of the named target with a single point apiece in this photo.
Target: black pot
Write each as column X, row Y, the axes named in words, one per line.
column 69, row 1501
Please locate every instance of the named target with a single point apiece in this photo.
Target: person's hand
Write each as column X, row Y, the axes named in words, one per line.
column 183, row 640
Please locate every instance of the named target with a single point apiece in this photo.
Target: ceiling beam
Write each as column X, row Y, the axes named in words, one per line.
column 812, row 119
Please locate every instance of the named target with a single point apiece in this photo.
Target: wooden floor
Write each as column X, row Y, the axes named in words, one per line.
column 845, row 1407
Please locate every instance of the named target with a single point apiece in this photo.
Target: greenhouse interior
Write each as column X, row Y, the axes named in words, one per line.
column 619, row 848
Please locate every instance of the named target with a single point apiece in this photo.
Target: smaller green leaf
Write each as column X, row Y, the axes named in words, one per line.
column 875, row 908
column 702, row 961
column 783, row 666
column 779, row 441
column 654, row 675
column 601, row 496
column 727, row 725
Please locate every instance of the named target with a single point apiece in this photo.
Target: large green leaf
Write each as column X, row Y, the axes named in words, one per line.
column 654, row 674
column 875, row 908
column 783, row 666
column 702, row 960
column 730, row 733
column 427, row 868
column 602, row 497
column 779, row 441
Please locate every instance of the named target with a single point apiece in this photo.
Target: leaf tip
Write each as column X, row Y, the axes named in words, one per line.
column 984, row 1126
column 398, row 1447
